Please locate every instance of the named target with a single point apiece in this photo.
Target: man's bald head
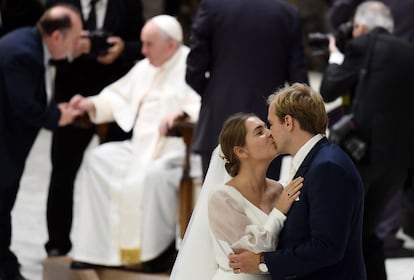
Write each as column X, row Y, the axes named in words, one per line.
column 61, row 28
column 61, row 17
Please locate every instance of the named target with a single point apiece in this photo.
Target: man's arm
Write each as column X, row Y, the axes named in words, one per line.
column 199, row 58
column 298, row 71
column 340, row 79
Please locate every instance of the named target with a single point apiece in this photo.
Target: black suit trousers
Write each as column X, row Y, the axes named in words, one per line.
column 68, row 147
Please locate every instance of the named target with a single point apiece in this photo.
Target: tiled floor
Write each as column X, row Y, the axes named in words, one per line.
column 29, row 220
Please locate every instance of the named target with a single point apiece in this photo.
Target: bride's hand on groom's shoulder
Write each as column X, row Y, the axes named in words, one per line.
column 289, row 195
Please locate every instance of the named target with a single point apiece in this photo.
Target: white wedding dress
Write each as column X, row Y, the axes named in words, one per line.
column 222, row 213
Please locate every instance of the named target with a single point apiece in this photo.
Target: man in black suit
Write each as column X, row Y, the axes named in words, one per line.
column 379, row 66
column 88, row 75
column 241, row 51
column 398, row 219
column 25, row 105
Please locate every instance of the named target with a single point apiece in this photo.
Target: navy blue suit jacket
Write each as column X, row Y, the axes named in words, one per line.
column 321, row 238
column 23, row 104
column 250, row 49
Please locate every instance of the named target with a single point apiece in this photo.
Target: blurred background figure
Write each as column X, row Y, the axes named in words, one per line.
column 342, row 11
column 237, row 59
column 19, row 13
column 397, row 226
column 376, row 67
column 108, row 49
column 26, row 106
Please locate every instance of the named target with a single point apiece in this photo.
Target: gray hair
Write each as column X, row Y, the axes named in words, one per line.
column 372, row 14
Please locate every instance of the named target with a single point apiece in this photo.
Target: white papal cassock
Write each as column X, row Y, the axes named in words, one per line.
column 127, row 191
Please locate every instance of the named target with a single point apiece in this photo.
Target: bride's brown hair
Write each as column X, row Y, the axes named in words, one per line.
column 233, row 134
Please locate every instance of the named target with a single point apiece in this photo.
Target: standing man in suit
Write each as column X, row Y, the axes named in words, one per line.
column 88, row 74
column 379, row 66
column 241, row 51
column 25, row 107
column 321, row 237
column 398, row 218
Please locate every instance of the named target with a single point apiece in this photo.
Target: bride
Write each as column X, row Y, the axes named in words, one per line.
column 243, row 211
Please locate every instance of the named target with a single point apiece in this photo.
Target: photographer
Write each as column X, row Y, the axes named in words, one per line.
column 108, row 49
column 377, row 67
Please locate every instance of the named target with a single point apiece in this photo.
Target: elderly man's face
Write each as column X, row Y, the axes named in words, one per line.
column 155, row 47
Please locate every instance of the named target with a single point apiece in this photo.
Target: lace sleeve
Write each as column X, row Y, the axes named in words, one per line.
column 229, row 222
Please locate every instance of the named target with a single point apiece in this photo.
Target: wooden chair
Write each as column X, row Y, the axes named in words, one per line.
column 184, row 128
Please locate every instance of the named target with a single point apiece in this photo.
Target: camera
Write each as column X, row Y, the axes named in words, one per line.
column 343, row 134
column 320, row 41
column 355, row 147
column 99, row 44
column 341, row 129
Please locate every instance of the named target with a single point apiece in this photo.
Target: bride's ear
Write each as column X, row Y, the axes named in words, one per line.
column 240, row 152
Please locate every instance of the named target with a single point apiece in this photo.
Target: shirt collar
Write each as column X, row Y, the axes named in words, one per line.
column 46, row 54
column 304, row 150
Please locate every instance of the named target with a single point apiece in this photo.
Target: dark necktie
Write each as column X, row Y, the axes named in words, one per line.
column 91, row 22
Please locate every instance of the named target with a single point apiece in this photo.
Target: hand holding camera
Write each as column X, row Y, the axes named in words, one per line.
column 101, row 45
column 116, row 48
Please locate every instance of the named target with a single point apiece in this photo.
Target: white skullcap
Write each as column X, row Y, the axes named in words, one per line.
column 169, row 25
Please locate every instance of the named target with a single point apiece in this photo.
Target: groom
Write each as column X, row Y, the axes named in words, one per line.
column 322, row 235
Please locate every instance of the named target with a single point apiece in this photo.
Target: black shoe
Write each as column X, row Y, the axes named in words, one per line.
column 85, row 265
column 163, row 263
column 54, row 252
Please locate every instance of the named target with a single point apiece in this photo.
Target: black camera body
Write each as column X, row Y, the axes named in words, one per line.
column 99, row 44
column 343, row 134
column 320, row 41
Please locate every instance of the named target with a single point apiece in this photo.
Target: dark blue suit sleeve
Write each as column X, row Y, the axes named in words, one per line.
column 298, row 71
column 339, row 80
column 331, row 196
column 25, row 87
column 199, row 59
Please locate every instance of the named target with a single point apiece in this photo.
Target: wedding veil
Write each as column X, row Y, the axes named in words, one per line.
column 196, row 258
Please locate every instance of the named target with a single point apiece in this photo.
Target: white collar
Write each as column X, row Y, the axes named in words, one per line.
column 46, row 54
column 304, row 150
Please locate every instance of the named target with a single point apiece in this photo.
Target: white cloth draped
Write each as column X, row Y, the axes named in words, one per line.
column 128, row 190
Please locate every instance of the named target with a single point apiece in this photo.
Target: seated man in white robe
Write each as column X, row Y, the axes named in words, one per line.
column 126, row 211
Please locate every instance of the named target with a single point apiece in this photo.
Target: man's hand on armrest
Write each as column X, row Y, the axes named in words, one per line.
column 169, row 120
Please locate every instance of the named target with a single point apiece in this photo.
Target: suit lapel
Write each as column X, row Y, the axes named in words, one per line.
column 111, row 18
column 309, row 157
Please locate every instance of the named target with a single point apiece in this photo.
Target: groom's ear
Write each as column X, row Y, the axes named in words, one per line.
column 289, row 121
column 240, row 152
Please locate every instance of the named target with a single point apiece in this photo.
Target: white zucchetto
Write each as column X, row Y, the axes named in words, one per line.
column 169, row 25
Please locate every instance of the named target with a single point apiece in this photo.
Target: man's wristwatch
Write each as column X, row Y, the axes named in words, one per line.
column 262, row 265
